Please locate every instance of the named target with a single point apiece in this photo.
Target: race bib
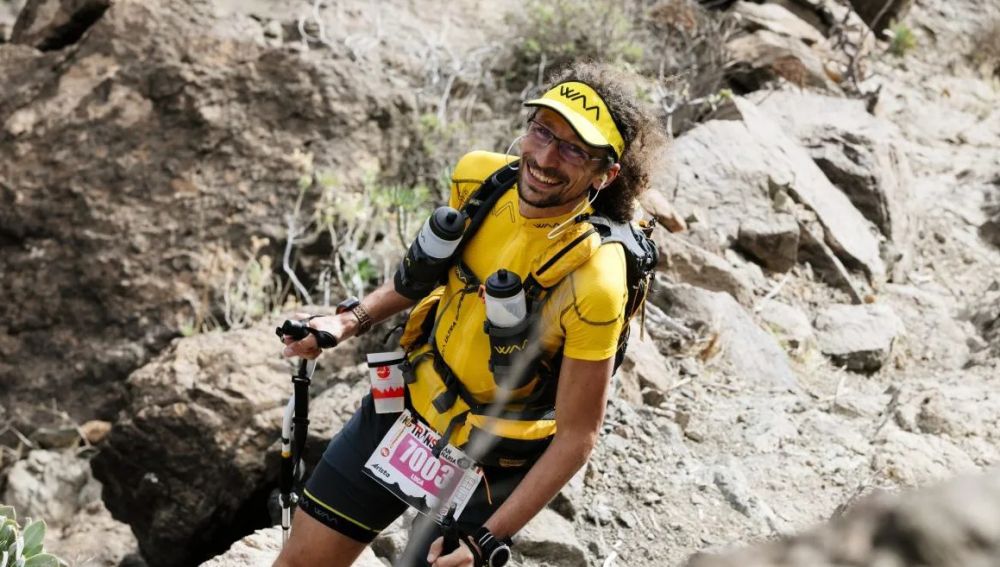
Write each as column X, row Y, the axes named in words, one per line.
column 404, row 464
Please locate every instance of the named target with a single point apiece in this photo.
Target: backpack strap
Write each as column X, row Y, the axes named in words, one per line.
column 482, row 201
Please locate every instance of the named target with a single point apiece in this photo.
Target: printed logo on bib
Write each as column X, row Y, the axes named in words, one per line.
column 383, row 372
column 404, row 464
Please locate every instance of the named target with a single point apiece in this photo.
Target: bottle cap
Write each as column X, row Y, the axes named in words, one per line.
column 447, row 223
column 503, row 283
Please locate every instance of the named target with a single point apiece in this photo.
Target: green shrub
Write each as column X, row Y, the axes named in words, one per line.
column 549, row 34
column 901, row 39
column 23, row 547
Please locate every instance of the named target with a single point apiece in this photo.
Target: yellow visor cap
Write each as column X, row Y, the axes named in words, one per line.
column 586, row 112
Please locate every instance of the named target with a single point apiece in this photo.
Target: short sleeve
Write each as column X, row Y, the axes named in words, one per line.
column 593, row 310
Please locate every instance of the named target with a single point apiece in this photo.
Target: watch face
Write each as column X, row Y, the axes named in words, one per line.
column 500, row 556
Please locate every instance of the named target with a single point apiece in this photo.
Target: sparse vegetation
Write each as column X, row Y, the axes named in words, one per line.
column 551, row 34
column 678, row 46
column 23, row 547
column 901, row 39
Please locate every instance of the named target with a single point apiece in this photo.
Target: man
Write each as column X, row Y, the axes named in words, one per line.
column 587, row 147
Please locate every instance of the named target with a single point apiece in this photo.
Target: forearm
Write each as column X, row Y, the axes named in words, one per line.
column 547, row 476
column 380, row 304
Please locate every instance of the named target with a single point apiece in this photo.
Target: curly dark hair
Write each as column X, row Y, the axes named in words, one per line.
column 641, row 131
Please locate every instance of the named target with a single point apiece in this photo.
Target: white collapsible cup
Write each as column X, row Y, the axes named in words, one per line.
column 388, row 389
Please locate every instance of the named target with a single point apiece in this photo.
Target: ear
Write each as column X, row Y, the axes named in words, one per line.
column 608, row 177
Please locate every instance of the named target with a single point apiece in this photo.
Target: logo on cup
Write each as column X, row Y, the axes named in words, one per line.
column 382, row 372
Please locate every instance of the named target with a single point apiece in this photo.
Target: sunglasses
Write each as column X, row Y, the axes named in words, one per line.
column 568, row 151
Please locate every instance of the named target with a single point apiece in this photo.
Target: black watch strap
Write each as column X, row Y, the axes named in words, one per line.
column 495, row 551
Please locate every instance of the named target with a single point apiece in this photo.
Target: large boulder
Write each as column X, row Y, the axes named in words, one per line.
column 136, row 166
column 858, row 337
column 747, row 171
column 549, row 538
column 857, row 152
column 778, row 19
column 686, row 262
column 191, row 461
column 53, row 485
column 760, row 57
column 947, row 526
column 58, row 487
column 750, row 354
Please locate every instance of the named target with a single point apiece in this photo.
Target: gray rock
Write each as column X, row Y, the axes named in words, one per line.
column 735, row 488
column 752, row 353
column 686, row 262
column 773, row 243
column 957, row 410
column 858, row 153
column 550, row 538
column 172, row 179
column 947, row 526
column 760, row 57
column 747, row 168
column 644, row 361
column 58, row 487
column 789, row 325
column 766, row 431
column 213, row 403
column 859, row 337
column 913, row 459
column 54, row 485
column 93, row 539
column 777, row 19
column 392, row 541
column 987, row 319
column 846, row 230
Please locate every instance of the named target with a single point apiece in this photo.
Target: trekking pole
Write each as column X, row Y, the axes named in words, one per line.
column 295, row 421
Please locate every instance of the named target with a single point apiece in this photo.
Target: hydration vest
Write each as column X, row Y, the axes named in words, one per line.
column 526, row 424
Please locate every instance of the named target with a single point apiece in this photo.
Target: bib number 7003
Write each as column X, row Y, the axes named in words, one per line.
column 419, row 460
column 404, row 464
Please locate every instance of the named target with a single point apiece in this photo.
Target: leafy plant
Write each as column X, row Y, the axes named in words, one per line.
column 23, row 547
column 901, row 39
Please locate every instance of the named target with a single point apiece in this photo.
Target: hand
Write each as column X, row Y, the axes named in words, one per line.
column 461, row 557
column 307, row 347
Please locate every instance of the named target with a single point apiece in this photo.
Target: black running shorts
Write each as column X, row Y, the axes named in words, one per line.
column 341, row 496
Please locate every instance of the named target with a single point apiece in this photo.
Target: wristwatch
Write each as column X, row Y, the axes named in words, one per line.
column 354, row 306
column 495, row 552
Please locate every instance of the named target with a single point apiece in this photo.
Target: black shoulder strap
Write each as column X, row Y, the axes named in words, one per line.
column 481, row 202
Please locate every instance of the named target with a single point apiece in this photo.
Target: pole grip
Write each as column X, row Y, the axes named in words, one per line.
column 449, row 531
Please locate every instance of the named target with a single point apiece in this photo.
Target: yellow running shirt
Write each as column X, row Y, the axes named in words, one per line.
column 584, row 313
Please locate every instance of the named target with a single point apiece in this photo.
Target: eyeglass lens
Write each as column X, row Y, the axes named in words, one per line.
column 567, row 151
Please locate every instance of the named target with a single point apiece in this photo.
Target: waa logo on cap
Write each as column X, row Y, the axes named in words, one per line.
column 573, row 95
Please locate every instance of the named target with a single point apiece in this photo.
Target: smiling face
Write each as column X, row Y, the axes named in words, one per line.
column 549, row 185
